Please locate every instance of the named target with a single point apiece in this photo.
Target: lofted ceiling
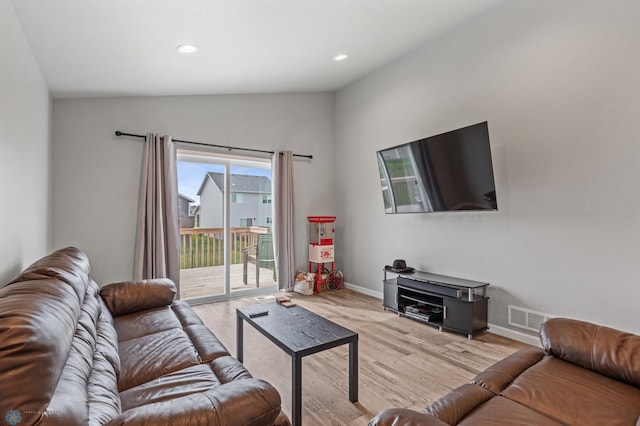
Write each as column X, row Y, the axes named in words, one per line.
column 91, row 48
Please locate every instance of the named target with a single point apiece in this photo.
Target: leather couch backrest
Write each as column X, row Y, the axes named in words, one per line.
column 68, row 266
column 610, row 352
column 48, row 319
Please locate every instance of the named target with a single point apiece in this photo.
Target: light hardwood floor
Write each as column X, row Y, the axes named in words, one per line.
column 402, row 363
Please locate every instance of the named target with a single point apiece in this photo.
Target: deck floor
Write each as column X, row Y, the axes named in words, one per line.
column 209, row 281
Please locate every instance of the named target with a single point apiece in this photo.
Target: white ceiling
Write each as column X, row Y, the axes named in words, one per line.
column 128, row 47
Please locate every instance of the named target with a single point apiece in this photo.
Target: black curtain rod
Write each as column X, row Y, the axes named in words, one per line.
column 230, row 148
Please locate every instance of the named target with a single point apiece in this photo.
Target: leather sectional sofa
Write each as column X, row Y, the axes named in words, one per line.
column 74, row 354
column 585, row 375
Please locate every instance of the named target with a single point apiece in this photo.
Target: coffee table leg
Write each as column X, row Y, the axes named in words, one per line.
column 353, row 370
column 239, row 337
column 296, row 390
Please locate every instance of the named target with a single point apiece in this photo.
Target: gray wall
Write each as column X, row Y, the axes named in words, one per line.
column 559, row 83
column 96, row 175
column 25, row 151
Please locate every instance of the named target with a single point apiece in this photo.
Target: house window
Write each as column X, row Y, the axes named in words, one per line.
column 237, row 198
column 269, row 220
column 266, row 199
column 246, row 221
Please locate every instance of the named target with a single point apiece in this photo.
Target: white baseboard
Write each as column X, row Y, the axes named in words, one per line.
column 515, row 335
column 364, row 290
column 495, row 329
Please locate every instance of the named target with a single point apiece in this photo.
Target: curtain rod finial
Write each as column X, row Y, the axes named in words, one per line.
column 118, row 133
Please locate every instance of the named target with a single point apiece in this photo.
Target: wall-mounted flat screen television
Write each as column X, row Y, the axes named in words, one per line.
column 447, row 172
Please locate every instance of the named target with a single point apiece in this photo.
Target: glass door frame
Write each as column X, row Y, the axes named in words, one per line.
column 227, row 161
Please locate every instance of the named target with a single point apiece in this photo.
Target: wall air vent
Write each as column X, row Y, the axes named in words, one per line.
column 526, row 318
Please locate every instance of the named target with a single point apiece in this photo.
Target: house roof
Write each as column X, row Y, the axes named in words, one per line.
column 185, row 197
column 239, row 183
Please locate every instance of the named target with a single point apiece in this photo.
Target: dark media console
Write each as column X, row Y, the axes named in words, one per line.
column 446, row 302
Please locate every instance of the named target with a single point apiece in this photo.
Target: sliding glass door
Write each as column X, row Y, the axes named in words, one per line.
column 226, row 244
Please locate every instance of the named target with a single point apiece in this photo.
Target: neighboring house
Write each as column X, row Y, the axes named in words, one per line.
column 195, row 212
column 250, row 200
column 186, row 219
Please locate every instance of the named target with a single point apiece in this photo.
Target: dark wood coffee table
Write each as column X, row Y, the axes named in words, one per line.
column 299, row 333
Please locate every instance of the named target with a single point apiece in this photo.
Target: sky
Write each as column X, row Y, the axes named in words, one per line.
column 191, row 175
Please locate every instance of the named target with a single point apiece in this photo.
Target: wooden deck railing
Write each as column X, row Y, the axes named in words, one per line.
column 200, row 247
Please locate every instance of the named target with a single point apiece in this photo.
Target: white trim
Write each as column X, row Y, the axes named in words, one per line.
column 201, row 154
column 364, row 290
column 515, row 335
column 234, row 295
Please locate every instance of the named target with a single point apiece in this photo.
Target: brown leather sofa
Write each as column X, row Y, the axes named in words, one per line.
column 586, row 375
column 74, row 354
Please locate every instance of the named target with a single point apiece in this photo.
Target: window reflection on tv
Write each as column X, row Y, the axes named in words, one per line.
column 447, row 172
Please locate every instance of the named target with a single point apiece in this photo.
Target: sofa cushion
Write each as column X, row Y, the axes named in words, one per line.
column 126, row 297
column 144, row 323
column 500, row 411
column 162, row 341
column 244, row 402
column 574, row 395
column 177, row 384
column 148, row 357
column 614, row 353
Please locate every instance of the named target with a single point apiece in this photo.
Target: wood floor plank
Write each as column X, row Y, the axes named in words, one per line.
column 402, row 363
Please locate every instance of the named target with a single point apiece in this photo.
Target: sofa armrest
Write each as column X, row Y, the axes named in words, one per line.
column 606, row 351
column 126, row 297
column 245, row 401
column 242, row 402
column 404, row 417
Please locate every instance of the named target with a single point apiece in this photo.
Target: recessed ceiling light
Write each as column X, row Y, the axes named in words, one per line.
column 187, row 48
column 340, row 57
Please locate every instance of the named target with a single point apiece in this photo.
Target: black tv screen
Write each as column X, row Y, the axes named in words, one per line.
column 447, row 172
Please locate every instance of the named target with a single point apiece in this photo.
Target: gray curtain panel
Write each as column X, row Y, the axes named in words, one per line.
column 282, row 171
column 157, row 243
